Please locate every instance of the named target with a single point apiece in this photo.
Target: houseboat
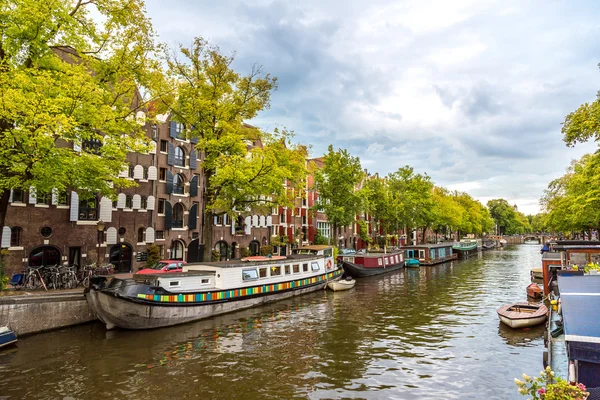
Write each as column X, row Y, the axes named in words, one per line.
column 207, row 289
column 429, row 254
column 361, row 265
column 467, row 247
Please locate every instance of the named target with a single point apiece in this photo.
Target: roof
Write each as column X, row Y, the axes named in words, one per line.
column 551, row 256
column 428, row 246
column 563, row 245
column 580, row 298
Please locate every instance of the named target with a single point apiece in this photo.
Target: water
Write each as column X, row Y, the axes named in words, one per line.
column 428, row 333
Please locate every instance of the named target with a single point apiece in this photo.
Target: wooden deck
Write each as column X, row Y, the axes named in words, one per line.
column 522, row 311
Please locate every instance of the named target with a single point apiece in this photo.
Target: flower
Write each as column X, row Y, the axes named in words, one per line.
column 541, row 391
column 526, row 378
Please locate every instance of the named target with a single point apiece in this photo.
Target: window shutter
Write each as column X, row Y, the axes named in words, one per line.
column 76, row 147
column 255, row 221
column 169, row 188
column 138, row 172
column 152, row 173
column 32, row 195
column 194, row 140
column 74, row 212
column 193, row 215
column 168, row 214
column 124, row 172
column 121, row 200
column 233, row 226
column 5, row 242
column 194, row 186
column 111, row 235
column 193, row 158
column 137, row 202
column 11, row 196
column 106, row 209
column 152, row 145
column 214, row 219
column 263, row 221
column 54, row 196
column 248, row 222
column 149, row 235
column 269, row 221
column 173, row 129
column 171, row 154
column 150, row 203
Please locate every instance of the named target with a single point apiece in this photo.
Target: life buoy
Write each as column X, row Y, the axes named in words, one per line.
column 328, row 264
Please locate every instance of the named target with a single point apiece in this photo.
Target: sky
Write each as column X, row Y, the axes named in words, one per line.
column 471, row 92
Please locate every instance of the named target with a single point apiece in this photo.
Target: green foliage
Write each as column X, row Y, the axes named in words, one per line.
column 4, row 279
column 215, row 255
column 245, row 252
column 364, row 231
column 507, row 219
column 583, row 124
column 153, row 252
column 320, row 239
column 555, row 388
column 266, row 250
column 277, row 240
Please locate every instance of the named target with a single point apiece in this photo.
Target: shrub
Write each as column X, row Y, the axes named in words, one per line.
column 3, row 277
column 215, row 255
column 266, row 250
column 244, row 252
column 557, row 390
column 153, row 252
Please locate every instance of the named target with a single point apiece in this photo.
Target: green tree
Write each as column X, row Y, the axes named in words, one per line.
column 242, row 168
column 378, row 206
column 69, row 76
column 447, row 212
column 336, row 182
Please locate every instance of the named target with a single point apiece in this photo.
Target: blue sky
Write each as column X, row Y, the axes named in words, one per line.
column 472, row 92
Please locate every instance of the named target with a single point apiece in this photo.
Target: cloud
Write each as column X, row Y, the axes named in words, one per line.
column 472, row 92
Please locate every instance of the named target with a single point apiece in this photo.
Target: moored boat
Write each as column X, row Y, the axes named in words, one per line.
column 534, row 291
column 342, row 284
column 430, row 254
column 204, row 290
column 362, row 265
column 466, row 248
column 412, row 263
column 522, row 315
column 537, row 273
column 7, row 336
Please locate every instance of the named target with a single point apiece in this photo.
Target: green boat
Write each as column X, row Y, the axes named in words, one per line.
column 465, row 248
column 412, row 263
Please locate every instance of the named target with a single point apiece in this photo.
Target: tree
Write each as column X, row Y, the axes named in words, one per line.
column 447, row 212
column 69, row 77
column 336, row 183
column 377, row 204
column 242, row 168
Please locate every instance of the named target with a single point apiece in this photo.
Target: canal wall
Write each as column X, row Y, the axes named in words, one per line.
column 28, row 314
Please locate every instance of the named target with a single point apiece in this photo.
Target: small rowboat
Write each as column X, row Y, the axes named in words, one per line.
column 522, row 315
column 412, row 263
column 534, row 291
column 537, row 273
column 7, row 336
column 340, row 285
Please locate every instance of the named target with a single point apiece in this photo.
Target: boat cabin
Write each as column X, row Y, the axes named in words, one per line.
column 429, row 254
column 565, row 254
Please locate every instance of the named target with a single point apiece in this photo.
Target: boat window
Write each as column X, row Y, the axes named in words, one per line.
column 386, row 261
column 287, row 270
column 315, row 266
column 328, row 252
column 379, row 261
column 249, row 274
column 296, row 268
column 421, row 253
column 173, row 283
column 262, row 272
column 205, row 280
column 305, row 267
column 275, row 271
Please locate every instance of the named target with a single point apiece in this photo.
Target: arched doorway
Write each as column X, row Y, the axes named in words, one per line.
column 221, row 247
column 254, row 247
column 177, row 250
column 120, row 257
column 44, row 255
column 193, row 253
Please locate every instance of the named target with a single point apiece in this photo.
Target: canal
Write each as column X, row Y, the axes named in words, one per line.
column 428, row 333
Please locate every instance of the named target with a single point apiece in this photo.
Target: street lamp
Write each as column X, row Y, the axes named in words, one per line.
column 100, row 228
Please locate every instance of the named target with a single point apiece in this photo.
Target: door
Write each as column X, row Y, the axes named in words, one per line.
column 120, row 257
column 75, row 256
column 193, row 255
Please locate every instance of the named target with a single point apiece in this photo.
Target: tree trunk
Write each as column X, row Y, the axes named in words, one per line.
column 423, row 234
column 207, row 235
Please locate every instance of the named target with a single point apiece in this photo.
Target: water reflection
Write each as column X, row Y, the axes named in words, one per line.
column 430, row 332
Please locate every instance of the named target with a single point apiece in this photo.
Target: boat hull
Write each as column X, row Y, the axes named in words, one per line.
column 465, row 253
column 412, row 263
column 340, row 285
column 522, row 323
column 359, row 271
column 117, row 311
column 522, row 315
column 7, row 337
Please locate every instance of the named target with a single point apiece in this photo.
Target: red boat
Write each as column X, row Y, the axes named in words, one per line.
column 359, row 265
column 534, row 291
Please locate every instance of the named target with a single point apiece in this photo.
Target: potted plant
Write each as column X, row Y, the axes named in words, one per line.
column 547, row 387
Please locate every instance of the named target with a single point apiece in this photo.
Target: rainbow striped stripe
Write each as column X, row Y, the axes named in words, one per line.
column 237, row 293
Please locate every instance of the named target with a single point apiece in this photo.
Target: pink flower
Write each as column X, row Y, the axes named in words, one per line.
column 581, row 386
column 541, row 391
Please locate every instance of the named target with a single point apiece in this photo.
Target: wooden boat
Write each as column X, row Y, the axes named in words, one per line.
column 412, row 263
column 204, row 290
column 342, row 284
column 7, row 336
column 522, row 315
column 537, row 273
column 466, row 248
column 430, row 254
column 361, row 265
column 534, row 291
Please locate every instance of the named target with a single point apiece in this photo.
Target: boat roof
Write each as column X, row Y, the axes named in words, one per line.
column 551, row 256
column 239, row 263
column 428, row 246
column 580, row 298
column 564, row 245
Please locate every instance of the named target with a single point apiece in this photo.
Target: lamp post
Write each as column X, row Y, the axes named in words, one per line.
column 100, row 228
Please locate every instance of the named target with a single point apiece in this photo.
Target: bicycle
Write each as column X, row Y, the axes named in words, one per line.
column 34, row 278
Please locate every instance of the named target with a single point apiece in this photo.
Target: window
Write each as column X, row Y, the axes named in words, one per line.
column 179, row 157
column 249, row 274
column 205, row 281
column 195, row 235
column 226, row 219
column 143, row 202
column 63, row 198
column 18, row 196
column 262, row 272
column 162, row 176
column 296, row 268
column 287, row 270
column 315, row 266
column 128, row 201
column 323, row 228
column 304, row 201
column 421, row 253
column 177, row 221
column 178, row 184
column 173, row 283
column 122, row 231
column 130, row 173
column 88, row 210
column 161, row 206
column 240, row 226
column 219, row 219
column 178, row 130
column 275, row 271
column 141, row 232
column 328, row 252
column 154, row 131
column 145, row 173
column 304, row 222
column 159, row 235
column 164, row 145
column 15, row 236
column 92, row 145
column 43, row 198
column 304, row 267
column 46, row 231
